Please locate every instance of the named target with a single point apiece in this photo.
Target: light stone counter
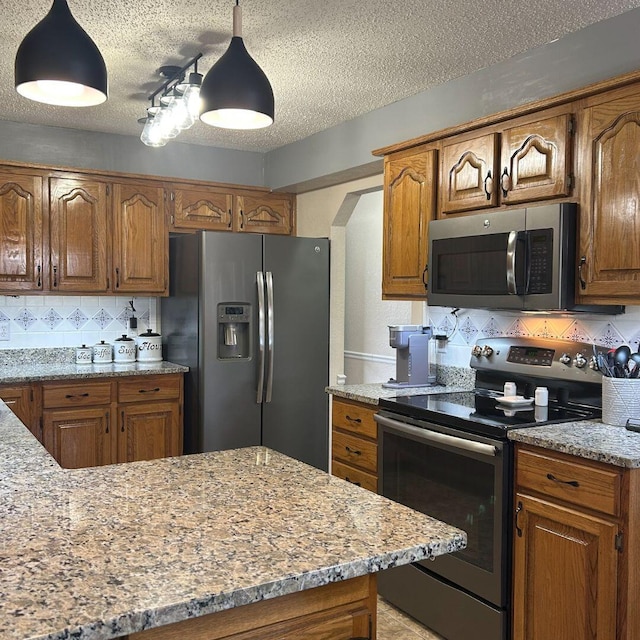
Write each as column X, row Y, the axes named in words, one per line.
column 25, row 373
column 97, row 553
column 589, row 439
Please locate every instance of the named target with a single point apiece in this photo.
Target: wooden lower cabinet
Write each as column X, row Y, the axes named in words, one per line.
column 354, row 449
column 576, row 548
column 23, row 400
column 119, row 420
column 338, row 611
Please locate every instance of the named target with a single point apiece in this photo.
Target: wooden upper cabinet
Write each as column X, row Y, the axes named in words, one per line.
column 265, row 213
column 141, row 239
column 79, row 235
column 409, row 205
column 468, row 173
column 198, row 207
column 21, row 248
column 524, row 161
column 609, row 143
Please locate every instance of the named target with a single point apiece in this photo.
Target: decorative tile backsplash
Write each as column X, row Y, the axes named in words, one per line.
column 470, row 325
column 69, row 321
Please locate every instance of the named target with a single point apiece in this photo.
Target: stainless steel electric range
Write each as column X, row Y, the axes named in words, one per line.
column 447, row 455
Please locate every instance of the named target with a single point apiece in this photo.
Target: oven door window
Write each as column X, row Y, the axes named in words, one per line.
column 461, row 488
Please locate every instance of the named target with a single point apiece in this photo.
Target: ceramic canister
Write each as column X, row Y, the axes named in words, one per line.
column 83, row 355
column 124, row 349
column 149, row 346
column 102, row 352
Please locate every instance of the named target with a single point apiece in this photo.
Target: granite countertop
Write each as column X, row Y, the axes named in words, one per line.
column 98, row 553
column 23, row 373
column 590, row 439
column 450, row 379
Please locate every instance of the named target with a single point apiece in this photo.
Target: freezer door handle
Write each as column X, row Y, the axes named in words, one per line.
column 261, row 335
column 270, row 336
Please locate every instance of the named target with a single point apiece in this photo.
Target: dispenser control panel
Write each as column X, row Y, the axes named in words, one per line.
column 234, row 331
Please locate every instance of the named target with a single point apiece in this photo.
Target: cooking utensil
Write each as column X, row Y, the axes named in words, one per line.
column 622, row 355
column 604, row 366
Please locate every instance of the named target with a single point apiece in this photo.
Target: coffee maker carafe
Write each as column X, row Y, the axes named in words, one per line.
column 411, row 342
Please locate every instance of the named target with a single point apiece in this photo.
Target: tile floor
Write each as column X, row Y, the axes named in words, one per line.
column 394, row 624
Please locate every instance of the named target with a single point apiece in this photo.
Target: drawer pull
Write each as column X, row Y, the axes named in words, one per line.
column 350, row 419
column 79, row 395
column 573, row 483
column 355, row 452
column 149, row 390
column 348, row 479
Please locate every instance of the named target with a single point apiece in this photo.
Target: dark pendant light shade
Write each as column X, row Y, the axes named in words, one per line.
column 58, row 63
column 235, row 93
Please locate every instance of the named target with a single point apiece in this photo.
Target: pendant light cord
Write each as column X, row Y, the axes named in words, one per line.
column 237, row 20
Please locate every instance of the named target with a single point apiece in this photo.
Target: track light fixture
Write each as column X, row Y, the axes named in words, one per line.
column 179, row 106
column 58, row 63
column 236, row 94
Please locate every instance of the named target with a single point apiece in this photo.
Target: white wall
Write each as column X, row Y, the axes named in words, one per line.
column 368, row 356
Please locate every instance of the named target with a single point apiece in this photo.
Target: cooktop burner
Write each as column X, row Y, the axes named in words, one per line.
column 480, row 412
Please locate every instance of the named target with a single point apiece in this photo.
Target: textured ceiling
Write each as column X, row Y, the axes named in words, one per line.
column 328, row 61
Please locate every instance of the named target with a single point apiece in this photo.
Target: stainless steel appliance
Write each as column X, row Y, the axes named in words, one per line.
column 249, row 315
column 413, row 364
column 447, row 455
column 517, row 259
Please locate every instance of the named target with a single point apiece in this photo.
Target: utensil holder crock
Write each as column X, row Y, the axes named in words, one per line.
column 620, row 400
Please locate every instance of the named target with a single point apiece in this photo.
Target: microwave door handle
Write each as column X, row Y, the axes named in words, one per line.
column 512, row 242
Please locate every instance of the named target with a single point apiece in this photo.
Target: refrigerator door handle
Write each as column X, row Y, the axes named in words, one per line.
column 270, row 336
column 261, row 335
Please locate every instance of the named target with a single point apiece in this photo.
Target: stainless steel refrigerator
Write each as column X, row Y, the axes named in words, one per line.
column 249, row 315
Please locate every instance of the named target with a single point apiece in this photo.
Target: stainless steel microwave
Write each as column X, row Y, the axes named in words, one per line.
column 517, row 259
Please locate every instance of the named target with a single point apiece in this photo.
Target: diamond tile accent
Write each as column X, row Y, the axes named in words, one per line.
column 77, row 319
column 577, row 332
column 25, row 319
column 102, row 318
column 634, row 342
column 446, row 326
column 544, row 330
column 609, row 337
column 468, row 330
column 517, row 329
column 4, row 316
column 491, row 329
column 123, row 317
column 52, row 319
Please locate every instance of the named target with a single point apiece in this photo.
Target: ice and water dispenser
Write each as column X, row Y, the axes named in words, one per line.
column 234, row 331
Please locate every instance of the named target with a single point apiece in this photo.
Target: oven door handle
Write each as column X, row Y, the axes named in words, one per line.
column 436, row 437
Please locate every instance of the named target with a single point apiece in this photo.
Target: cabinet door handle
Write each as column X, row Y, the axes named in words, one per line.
column 355, row 452
column 573, row 483
column 518, row 510
column 350, row 419
column 107, row 417
column 149, row 390
column 425, row 273
column 117, row 278
column 55, row 276
column 79, row 395
column 39, row 283
column 582, row 263
column 348, row 479
column 122, row 421
column 241, row 219
column 488, row 185
column 230, row 219
column 505, row 183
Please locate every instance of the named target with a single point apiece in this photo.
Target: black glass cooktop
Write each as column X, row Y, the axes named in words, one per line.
column 480, row 412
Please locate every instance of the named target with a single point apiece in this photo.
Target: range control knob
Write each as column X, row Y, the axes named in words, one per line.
column 476, row 351
column 487, row 351
column 565, row 358
column 580, row 361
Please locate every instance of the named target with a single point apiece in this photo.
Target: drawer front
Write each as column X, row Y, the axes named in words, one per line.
column 575, row 482
column 355, row 476
column 80, row 394
column 356, row 451
column 146, row 388
column 354, row 418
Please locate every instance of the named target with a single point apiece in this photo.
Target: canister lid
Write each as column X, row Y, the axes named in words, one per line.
column 125, row 338
column 102, row 343
column 148, row 333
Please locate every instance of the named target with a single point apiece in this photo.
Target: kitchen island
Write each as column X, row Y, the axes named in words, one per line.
column 106, row 552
